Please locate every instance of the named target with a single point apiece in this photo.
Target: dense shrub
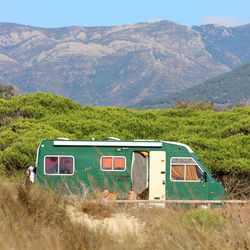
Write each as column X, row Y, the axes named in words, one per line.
column 221, row 139
column 200, row 105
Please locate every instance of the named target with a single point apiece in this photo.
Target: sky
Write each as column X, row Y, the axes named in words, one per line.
column 61, row 13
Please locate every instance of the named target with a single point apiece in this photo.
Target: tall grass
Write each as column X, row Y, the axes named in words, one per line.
column 32, row 218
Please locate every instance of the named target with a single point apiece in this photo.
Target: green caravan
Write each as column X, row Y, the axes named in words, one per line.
column 160, row 169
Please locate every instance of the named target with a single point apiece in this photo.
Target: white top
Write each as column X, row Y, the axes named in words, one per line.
column 108, row 143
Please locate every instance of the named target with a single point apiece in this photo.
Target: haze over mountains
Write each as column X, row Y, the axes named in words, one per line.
column 120, row 65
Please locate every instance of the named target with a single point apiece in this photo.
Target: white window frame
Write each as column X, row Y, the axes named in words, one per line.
column 113, row 157
column 185, row 166
column 58, row 161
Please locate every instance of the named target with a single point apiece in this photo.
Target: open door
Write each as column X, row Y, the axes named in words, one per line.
column 157, row 175
column 139, row 171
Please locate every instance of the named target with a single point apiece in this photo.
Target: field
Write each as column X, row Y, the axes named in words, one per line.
column 31, row 218
column 34, row 218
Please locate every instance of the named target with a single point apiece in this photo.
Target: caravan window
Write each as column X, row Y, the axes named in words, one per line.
column 185, row 169
column 119, row 163
column 59, row 165
column 113, row 163
column 107, row 163
column 66, row 165
column 51, row 165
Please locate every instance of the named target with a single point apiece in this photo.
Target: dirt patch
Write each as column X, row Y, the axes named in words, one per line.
column 117, row 224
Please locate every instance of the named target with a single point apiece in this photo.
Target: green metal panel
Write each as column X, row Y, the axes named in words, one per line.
column 87, row 168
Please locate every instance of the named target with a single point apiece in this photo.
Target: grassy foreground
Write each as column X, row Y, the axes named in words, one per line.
column 31, row 218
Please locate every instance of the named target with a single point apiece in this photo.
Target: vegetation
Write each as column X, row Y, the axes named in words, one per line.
column 6, row 92
column 228, row 89
column 201, row 105
column 31, row 218
column 221, row 139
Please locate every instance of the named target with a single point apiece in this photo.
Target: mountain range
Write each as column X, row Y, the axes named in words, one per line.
column 118, row 65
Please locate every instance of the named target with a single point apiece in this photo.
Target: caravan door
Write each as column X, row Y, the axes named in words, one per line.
column 157, row 175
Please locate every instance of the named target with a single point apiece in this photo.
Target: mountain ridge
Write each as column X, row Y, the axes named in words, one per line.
column 225, row 90
column 117, row 65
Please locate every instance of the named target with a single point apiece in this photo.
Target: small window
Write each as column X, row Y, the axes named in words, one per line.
column 113, row 163
column 66, row 165
column 119, row 163
column 59, row 165
column 185, row 169
column 51, row 165
column 107, row 163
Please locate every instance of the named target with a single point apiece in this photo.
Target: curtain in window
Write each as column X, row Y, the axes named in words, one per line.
column 119, row 163
column 177, row 172
column 107, row 163
column 191, row 174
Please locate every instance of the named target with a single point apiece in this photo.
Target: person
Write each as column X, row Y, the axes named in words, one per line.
column 30, row 175
column 132, row 195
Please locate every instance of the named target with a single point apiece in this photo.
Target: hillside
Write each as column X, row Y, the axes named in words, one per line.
column 225, row 90
column 120, row 65
column 219, row 138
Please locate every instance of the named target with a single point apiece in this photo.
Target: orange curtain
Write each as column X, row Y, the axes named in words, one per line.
column 107, row 163
column 177, row 172
column 191, row 174
column 119, row 163
column 144, row 153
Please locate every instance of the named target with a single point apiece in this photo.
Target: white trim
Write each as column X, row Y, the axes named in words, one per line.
column 58, row 156
column 184, row 164
column 113, row 157
column 37, row 152
column 180, row 144
column 132, row 165
column 108, row 143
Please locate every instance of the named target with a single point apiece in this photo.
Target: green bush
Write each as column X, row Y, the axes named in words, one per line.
column 207, row 219
column 221, row 139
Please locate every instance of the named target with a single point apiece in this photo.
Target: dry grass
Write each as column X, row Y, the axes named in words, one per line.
column 98, row 209
column 178, row 228
column 31, row 218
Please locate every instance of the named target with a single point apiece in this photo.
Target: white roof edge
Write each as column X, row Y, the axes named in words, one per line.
column 180, row 144
column 108, row 143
